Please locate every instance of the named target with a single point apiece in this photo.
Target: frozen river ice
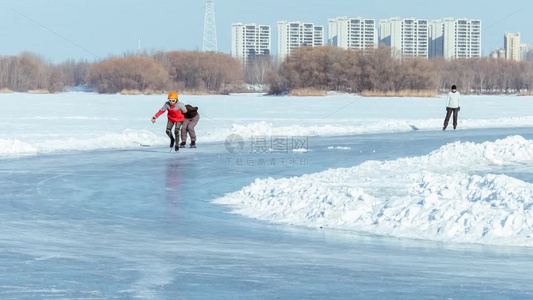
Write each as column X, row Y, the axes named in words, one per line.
column 140, row 223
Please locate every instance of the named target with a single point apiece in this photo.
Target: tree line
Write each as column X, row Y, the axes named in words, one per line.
column 159, row 72
column 325, row 68
column 334, row 69
column 30, row 72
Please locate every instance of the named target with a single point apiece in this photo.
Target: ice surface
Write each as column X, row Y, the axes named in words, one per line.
column 115, row 220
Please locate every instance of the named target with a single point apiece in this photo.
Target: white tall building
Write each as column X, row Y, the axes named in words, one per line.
column 352, row 33
column 511, row 44
column 462, row 38
column 407, row 36
column 526, row 52
column 292, row 35
column 249, row 41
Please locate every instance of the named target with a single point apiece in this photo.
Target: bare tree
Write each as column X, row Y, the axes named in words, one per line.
column 203, row 71
column 255, row 72
column 131, row 73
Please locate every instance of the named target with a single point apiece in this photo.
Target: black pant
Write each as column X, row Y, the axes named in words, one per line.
column 449, row 111
column 177, row 128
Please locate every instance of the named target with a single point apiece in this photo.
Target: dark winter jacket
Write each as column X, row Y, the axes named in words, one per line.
column 192, row 111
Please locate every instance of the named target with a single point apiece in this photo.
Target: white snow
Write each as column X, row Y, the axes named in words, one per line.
column 33, row 124
column 451, row 194
column 126, row 139
column 339, row 148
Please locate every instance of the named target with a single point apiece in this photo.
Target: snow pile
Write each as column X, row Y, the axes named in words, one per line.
column 451, row 194
column 349, row 127
column 127, row 139
column 79, row 88
column 269, row 129
column 14, row 146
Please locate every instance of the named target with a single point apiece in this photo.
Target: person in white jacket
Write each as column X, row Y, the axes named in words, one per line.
column 452, row 105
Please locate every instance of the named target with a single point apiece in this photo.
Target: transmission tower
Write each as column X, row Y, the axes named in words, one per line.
column 210, row 27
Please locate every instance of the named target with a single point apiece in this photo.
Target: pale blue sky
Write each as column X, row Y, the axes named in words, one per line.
column 99, row 28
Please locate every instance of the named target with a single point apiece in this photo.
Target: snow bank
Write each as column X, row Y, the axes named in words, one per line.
column 127, row 139
column 378, row 126
column 14, row 147
column 452, row 194
column 351, row 127
column 85, row 140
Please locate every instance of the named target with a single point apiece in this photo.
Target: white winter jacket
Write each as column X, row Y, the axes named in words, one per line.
column 453, row 100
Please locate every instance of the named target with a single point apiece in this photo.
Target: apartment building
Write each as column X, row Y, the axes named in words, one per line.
column 511, row 44
column 249, row 41
column 526, row 52
column 352, row 33
column 455, row 38
column 498, row 54
column 462, row 38
column 296, row 34
column 408, row 37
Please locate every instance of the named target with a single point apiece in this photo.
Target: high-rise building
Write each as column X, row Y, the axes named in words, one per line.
column 436, row 38
column 352, row 33
column 249, row 41
column 408, row 37
column 319, row 35
column 292, row 35
column 454, row 38
column 462, row 38
column 526, row 52
column 511, row 44
column 498, row 54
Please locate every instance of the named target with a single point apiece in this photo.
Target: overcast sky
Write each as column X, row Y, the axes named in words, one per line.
column 79, row 29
